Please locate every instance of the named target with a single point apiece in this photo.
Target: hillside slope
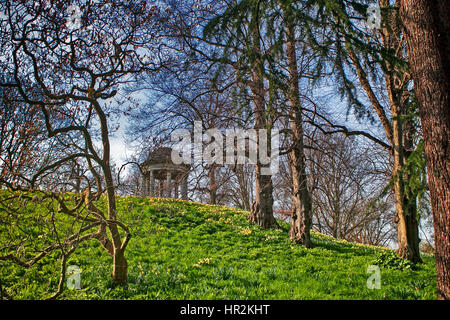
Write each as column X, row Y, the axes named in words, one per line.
column 187, row 250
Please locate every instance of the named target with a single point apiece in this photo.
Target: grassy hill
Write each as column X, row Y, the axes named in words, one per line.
column 187, row 250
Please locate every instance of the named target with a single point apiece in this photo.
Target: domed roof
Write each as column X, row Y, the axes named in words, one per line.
column 162, row 155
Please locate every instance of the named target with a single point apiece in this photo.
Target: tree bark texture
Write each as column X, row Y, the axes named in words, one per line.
column 426, row 24
column 301, row 199
column 261, row 212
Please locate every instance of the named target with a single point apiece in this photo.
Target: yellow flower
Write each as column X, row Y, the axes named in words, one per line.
column 246, row 231
column 202, row 261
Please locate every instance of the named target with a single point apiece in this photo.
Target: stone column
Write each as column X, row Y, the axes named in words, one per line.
column 168, row 185
column 176, row 190
column 144, row 185
column 152, row 184
column 161, row 188
column 184, row 188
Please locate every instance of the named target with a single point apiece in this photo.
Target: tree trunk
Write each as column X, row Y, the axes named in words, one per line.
column 410, row 200
column 114, row 246
column 301, row 208
column 405, row 208
column 243, row 187
column 261, row 211
column 301, row 199
column 407, row 225
column 120, row 268
column 212, row 185
column 427, row 32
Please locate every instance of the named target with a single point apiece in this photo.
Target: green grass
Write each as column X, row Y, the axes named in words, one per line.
column 187, row 250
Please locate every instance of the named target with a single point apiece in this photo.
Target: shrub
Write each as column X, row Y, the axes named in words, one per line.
column 390, row 259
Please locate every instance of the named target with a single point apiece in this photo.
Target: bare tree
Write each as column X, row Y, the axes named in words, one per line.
column 20, row 134
column 347, row 188
column 69, row 72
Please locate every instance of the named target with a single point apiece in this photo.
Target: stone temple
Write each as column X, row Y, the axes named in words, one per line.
column 163, row 178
